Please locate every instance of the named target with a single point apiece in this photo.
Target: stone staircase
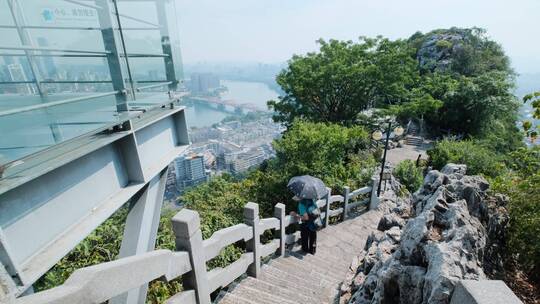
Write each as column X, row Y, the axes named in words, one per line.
column 305, row 278
column 414, row 140
column 412, row 137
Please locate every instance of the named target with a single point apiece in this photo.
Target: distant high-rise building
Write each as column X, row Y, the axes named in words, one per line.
column 204, row 82
column 247, row 160
column 47, row 66
column 17, row 73
column 190, row 171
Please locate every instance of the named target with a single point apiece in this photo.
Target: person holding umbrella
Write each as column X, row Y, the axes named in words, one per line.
column 307, row 190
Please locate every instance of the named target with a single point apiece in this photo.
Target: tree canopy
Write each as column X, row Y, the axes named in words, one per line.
column 457, row 80
column 344, row 78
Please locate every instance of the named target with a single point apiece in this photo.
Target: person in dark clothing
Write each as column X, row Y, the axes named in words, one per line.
column 308, row 228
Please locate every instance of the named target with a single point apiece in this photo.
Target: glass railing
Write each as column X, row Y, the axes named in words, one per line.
column 74, row 67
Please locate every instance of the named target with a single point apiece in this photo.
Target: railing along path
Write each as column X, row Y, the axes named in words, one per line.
column 99, row 283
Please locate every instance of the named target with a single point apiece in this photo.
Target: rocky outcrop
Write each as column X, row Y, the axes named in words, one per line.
column 428, row 242
column 439, row 49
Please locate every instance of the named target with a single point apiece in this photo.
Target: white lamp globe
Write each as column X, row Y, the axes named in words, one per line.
column 398, row 131
column 377, row 135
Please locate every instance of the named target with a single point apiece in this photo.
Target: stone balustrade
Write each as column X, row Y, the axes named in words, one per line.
column 97, row 284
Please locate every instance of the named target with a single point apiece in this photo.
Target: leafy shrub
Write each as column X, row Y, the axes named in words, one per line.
column 479, row 160
column 524, row 233
column 100, row 246
column 409, row 175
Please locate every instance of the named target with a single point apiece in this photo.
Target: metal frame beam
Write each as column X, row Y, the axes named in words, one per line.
column 87, row 185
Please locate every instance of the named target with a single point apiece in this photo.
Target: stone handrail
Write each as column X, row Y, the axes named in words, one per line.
column 97, row 284
column 224, row 237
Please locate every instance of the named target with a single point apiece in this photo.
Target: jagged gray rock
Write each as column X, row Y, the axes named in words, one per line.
column 438, row 50
column 428, row 242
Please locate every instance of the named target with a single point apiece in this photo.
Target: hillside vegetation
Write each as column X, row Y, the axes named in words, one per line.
column 457, row 81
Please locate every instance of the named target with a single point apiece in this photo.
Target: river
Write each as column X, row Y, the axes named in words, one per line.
column 256, row 93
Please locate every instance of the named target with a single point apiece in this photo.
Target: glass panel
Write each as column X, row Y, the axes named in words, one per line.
column 9, row 38
column 65, row 48
column 28, row 132
column 5, row 15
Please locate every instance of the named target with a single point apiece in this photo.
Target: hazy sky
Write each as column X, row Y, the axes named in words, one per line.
column 272, row 30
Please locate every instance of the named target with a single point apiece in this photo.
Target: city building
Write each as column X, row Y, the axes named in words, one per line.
column 247, row 160
column 202, row 83
column 190, row 171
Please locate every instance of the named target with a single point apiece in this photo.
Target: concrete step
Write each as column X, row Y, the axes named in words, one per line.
column 229, row 298
column 339, row 233
column 322, row 265
column 288, row 293
column 336, row 252
column 414, row 140
column 303, row 281
column 259, row 296
column 320, row 259
column 308, row 274
column 329, row 259
column 285, row 280
column 310, row 269
column 347, row 248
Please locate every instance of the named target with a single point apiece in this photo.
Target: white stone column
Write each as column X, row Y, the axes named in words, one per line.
column 279, row 212
column 251, row 218
column 186, row 227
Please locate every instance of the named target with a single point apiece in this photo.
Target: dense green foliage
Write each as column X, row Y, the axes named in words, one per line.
column 409, row 175
column 521, row 182
column 463, row 87
column 479, row 159
column 344, row 78
column 100, row 246
column 531, row 129
column 103, row 245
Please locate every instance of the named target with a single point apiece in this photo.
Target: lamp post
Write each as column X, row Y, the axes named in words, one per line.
column 377, row 135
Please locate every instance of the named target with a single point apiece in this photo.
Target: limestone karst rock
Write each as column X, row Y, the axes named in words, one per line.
column 428, row 242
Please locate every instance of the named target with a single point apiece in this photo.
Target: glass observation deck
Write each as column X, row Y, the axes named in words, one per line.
column 70, row 68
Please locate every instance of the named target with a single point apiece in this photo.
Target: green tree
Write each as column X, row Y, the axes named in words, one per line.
column 343, row 78
column 479, row 160
column 409, row 175
column 531, row 129
column 472, row 104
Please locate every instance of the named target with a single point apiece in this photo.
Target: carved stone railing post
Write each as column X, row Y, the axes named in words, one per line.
column 279, row 212
column 251, row 218
column 374, row 200
column 328, row 200
column 186, row 227
column 346, row 191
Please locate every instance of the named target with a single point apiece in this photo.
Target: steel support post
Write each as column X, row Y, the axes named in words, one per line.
column 141, row 230
column 113, row 55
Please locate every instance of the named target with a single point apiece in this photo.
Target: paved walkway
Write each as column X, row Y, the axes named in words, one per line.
column 298, row 278
column 397, row 155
